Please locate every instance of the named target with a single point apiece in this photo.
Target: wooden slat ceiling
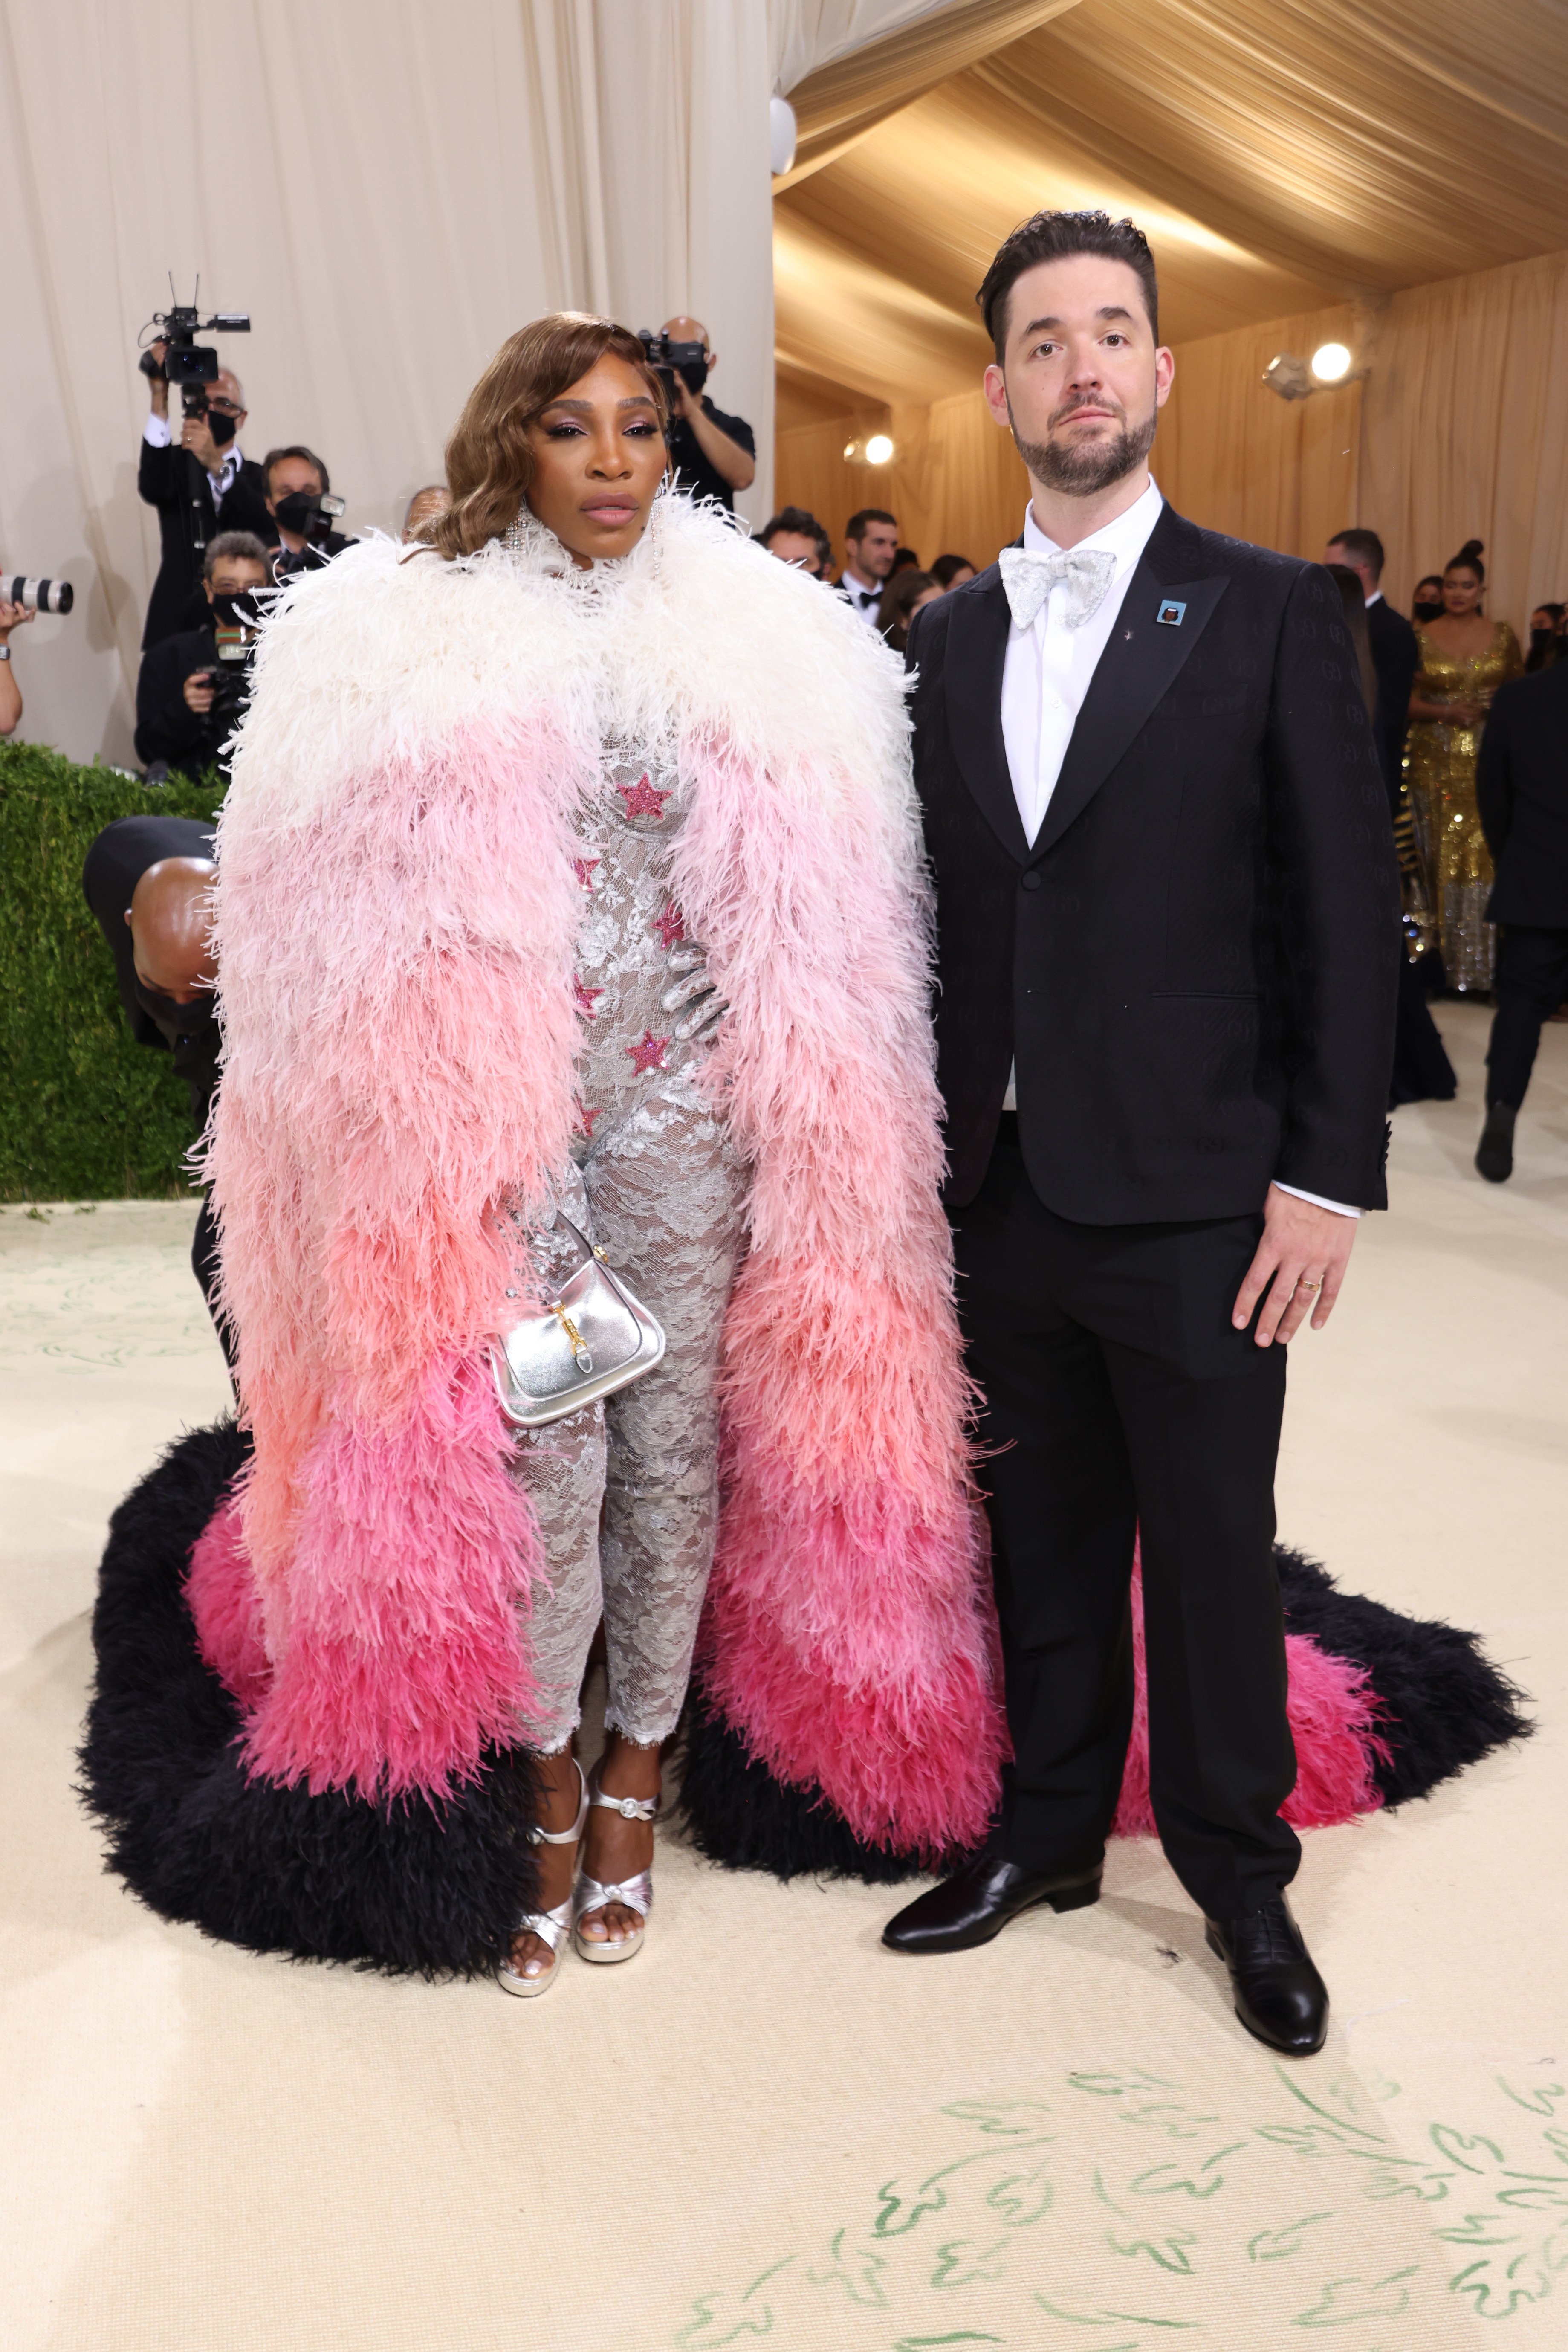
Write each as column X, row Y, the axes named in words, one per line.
column 1281, row 153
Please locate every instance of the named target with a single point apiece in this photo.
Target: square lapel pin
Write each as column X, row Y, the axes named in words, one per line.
column 1172, row 613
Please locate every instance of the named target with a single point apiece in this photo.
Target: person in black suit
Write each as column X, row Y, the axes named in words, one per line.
column 147, row 880
column 1395, row 657
column 202, row 486
column 1521, row 792
column 1168, row 926
column 177, row 684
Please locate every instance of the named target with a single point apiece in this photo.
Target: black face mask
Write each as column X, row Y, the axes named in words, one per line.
column 297, row 511
column 1428, row 611
column 178, row 1020
column 695, row 378
column 1539, row 639
column 221, row 428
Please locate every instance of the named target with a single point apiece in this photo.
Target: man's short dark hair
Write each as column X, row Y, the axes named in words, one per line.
column 295, row 449
column 1057, row 236
column 235, row 547
column 801, row 524
column 856, row 527
column 1364, row 545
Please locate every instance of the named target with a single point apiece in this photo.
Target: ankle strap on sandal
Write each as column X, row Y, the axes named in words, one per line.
column 631, row 1808
column 537, row 1836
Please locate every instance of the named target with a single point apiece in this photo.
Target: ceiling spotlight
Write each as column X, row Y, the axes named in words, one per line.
column 1289, row 376
column 1331, row 362
column 878, row 449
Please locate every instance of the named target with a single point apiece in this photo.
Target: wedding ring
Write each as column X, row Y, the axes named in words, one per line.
column 1302, row 1283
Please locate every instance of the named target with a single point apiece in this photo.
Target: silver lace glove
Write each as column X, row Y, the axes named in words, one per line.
column 693, row 994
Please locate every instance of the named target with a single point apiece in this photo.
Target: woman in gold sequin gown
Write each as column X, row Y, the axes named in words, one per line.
column 1464, row 659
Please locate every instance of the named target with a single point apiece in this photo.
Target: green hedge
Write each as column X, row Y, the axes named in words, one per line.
column 84, row 1112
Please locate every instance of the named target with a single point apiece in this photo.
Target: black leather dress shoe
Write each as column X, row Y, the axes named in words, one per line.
column 977, row 1903
column 1494, row 1152
column 1280, row 1996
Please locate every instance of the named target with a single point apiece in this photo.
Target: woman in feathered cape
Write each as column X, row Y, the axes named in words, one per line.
column 473, row 782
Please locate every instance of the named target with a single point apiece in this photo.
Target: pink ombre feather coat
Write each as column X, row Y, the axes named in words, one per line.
column 396, row 928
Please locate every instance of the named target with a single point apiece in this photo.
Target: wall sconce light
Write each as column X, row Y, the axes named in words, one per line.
column 875, row 449
column 1298, row 379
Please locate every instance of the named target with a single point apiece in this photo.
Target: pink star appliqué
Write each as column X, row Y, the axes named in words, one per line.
column 671, row 926
column 585, row 998
column 643, row 798
column 649, row 1054
column 583, row 869
column 588, row 1112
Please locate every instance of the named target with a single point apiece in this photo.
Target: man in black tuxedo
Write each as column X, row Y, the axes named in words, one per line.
column 1166, row 910
column 1395, row 656
column 147, row 880
column 1522, row 792
column 201, row 486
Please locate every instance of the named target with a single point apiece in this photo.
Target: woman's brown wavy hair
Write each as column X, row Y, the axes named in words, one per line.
column 490, row 464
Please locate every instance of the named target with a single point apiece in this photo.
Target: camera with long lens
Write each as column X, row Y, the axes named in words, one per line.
column 186, row 362
column 38, row 596
column 670, row 358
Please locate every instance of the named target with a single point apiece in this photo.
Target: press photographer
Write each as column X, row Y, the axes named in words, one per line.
column 193, row 688
column 300, row 503
column 202, row 485
column 713, row 455
column 12, row 616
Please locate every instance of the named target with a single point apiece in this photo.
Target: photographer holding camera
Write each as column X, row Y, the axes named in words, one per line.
column 192, row 690
column 300, row 503
column 12, row 616
column 712, row 455
column 201, row 486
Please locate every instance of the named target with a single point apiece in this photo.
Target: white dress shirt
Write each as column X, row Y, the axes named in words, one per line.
column 862, row 596
column 1045, row 677
column 158, row 434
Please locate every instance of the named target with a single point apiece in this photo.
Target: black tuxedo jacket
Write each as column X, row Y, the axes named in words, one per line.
column 176, row 484
column 1395, row 657
column 1522, row 789
column 1196, row 963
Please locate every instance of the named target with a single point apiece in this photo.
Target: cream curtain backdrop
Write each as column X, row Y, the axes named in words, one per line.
column 389, row 189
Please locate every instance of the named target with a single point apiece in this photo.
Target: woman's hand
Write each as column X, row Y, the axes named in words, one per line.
column 693, row 993
column 13, row 616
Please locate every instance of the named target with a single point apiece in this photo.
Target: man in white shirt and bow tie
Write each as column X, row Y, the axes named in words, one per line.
column 871, row 542
column 1168, row 941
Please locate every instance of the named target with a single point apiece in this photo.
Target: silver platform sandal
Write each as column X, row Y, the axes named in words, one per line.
column 551, row 1928
column 636, row 1894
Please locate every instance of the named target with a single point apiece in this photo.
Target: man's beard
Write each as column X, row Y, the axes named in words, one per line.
column 1084, row 468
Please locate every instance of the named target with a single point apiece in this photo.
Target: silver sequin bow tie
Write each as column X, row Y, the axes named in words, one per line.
column 1029, row 576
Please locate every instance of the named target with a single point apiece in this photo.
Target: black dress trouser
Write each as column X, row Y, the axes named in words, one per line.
column 1120, row 1402
column 1532, row 981
column 205, row 1264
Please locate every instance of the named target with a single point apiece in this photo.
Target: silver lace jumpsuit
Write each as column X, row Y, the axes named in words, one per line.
column 626, row 1490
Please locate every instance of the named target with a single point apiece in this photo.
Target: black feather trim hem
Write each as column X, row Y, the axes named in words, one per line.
column 411, row 1887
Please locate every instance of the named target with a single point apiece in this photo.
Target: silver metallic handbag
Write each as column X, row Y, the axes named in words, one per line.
column 593, row 1338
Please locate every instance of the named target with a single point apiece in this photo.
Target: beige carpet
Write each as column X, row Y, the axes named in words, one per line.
column 766, row 2128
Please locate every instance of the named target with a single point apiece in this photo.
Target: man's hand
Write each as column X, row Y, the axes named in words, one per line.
column 687, row 405
column 196, row 435
column 160, row 384
column 1300, row 1264
column 198, row 691
column 13, row 616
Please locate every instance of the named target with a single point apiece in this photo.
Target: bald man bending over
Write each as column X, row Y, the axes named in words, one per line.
column 148, row 881
column 714, row 456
